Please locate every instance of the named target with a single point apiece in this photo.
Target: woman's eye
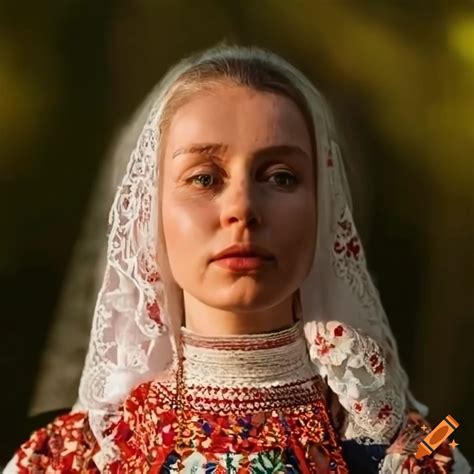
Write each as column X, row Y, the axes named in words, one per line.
column 280, row 178
column 283, row 177
column 203, row 180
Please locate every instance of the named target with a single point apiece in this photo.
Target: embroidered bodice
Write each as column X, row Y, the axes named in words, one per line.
column 280, row 402
column 250, row 403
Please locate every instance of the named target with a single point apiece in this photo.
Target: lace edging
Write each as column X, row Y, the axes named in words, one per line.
column 356, row 370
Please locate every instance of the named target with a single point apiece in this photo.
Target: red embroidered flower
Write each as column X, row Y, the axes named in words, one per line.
column 338, row 331
column 353, row 247
column 153, row 311
column 379, row 368
column 376, row 364
column 357, row 407
column 152, row 277
column 384, row 412
column 323, row 344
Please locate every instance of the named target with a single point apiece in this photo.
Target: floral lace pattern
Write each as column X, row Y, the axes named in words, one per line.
column 129, row 328
column 355, row 368
column 348, row 254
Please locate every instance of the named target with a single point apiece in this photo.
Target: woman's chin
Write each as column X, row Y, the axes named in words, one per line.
column 251, row 302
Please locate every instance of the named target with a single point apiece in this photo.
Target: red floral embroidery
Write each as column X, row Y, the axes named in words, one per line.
column 154, row 311
column 338, row 331
column 376, row 364
column 385, row 412
column 346, row 242
column 152, row 277
column 353, row 248
column 147, row 440
column 148, row 269
column 324, row 345
column 146, row 437
column 65, row 445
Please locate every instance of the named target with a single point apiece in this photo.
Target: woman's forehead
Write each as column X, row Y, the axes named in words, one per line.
column 238, row 119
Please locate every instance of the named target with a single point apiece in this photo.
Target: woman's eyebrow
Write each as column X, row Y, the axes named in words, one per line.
column 202, row 148
column 219, row 149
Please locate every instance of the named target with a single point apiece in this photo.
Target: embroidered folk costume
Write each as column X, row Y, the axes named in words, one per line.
column 326, row 395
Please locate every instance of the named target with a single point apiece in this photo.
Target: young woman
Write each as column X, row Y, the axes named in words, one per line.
column 237, row 328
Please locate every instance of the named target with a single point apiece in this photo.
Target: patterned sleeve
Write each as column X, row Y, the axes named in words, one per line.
column 379, row 433
column 143, row 436
column 64, row 445
column 354, row 367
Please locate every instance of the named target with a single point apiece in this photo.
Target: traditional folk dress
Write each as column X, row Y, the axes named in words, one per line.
column 246, row 404
column 328, row 394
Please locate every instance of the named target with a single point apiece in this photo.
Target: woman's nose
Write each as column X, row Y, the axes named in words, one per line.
column 240, row 205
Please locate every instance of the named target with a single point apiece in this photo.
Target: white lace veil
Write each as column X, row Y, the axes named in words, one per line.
column 131, row 339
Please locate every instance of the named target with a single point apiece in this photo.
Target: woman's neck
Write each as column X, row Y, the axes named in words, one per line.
column 206, row 320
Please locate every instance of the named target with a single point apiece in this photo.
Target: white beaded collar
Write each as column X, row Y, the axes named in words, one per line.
column 253, row 360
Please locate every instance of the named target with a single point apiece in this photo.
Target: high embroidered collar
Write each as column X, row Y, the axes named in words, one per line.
column 253, row 360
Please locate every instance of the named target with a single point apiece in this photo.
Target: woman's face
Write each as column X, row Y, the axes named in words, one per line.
column 238, row 168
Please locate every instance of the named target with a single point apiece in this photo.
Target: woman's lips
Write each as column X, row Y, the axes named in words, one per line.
column 239, row 264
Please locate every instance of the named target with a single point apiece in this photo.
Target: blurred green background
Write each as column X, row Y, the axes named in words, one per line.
column 400, row 76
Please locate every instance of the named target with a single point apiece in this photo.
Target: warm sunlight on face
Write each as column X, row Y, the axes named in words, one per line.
column 239, row 169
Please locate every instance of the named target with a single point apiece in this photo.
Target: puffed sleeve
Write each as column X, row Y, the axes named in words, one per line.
column 64, row 445
column 144, row 435
column 354, row 367
column 379, row 432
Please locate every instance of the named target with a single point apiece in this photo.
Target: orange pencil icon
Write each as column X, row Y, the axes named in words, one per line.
column 436, row 436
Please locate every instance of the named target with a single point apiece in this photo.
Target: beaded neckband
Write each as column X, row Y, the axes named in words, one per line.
column 281, row 337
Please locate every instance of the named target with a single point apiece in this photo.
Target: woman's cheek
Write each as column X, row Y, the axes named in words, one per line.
column 297, row 234
column 185, row 220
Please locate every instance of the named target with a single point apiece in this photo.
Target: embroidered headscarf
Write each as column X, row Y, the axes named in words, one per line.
column 133, row 336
